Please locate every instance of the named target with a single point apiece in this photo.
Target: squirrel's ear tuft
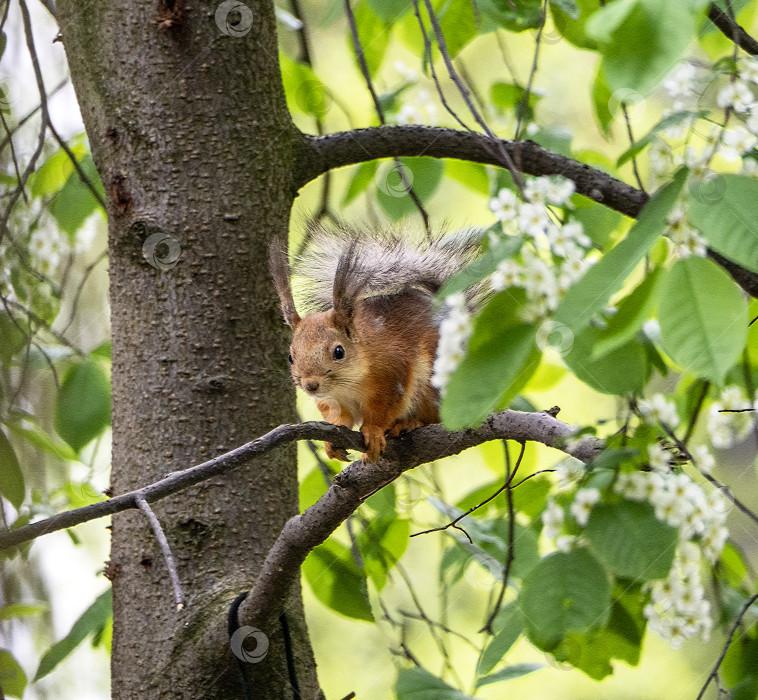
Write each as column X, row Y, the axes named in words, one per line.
column 280, row 272
column 348, row 284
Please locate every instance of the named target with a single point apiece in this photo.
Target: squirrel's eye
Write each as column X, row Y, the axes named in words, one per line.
column 339, row 352
column 289, row 359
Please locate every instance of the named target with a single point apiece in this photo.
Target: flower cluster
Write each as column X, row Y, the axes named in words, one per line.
column 658, row 410
column 421, row 111
column 727, row 429
column 47, row 248
column 678, row 609
column 455, row 330
column 686, row 239
column 555, row 255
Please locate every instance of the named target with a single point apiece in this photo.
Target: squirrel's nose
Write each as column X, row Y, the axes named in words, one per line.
column 310, row 385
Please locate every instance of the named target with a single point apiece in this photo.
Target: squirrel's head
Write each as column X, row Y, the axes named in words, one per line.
column 324, row 357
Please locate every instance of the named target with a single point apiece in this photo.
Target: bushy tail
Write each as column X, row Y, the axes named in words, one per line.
column 380, row 262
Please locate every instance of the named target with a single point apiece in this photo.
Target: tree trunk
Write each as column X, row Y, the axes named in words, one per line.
column 189, row 128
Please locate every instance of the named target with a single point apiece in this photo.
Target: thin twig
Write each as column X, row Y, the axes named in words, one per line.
column 511, row 535
column 713, row 675
column 143, row 505
column 628, row 123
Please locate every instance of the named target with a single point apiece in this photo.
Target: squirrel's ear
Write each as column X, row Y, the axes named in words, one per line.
column 347, row 285
column 280, row 272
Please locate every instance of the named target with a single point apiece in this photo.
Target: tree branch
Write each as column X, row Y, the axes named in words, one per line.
column 357, row 481
column 320, row 154
column 323, row 153
column 731, row 30
column 417, row 447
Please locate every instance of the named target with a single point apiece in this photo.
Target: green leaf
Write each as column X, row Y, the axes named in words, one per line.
column 509, row 673
column 11, row 479
column 103, row 350
column 394, row 183
column 508, row 96
column 74, row 204
column 419, row 684
column 12, row 676
column 304, row 90
column 83, row 404
column 602, row 102
column 390, row 10
column 312, row 487
column 43, row 441
column 622, row 370
column 373, row 34
column 92, row 621
column 703, row 318
column 504, row 639
column 336, row 581
column 458, row 23
column 8, row 612
column 631, row 541
column 620, row 639
column 667, row 122
column 495, row 359
column 642, row 40
column 593, row 291
column 382, row 544
column 565, row 592
column 568, row 7
column 363, row 177
column 725, row 210
column 599, row 222
column 632, row 313
column 54, row 173
column 472, row 175
column 572, row 26
column 513, row 16
column 12, row 337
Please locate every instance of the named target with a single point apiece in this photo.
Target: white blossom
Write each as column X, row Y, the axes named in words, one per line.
column 736, row 142
column 736, row 95
column 584, row 500
column 659, row 457
column 552, row 519
column 508, row 274
column 505, row 206
column 455, row 330
column 658, row 410
column 679, row 82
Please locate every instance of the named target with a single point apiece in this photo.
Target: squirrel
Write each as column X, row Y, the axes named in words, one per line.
column 364, row 352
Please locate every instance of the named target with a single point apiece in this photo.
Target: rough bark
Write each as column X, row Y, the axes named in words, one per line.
column 191, row 136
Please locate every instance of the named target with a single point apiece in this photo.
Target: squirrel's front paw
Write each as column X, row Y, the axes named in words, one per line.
column 375, row 441
column 333, row 452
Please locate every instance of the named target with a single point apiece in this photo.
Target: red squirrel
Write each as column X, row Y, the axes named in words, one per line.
column 365, row 352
